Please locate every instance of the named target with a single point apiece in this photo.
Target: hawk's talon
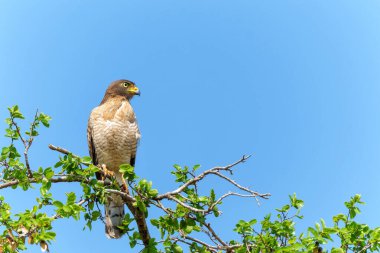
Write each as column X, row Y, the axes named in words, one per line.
column 105, row 173
column 110, row 174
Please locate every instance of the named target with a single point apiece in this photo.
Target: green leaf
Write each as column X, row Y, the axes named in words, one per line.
column 71, row 197
column 212, row 195
column 49, row 173
column 48, row 236
column 196, row 167
column 188, row 229
column 66, row 209
column 140, row 204
column 340, row 217
column 128, row 171
column 176, row 248
column 86, row 159
column 323, row 223
column 331, row 230
column 44, row 119
column 155, row 222
column 375, row 235
column 283, row 209
column 337, row 250
column 153, row 193
column 15, row 113
column 296, row 203
column 95, row 215
column 8, row 121
column 57, row 204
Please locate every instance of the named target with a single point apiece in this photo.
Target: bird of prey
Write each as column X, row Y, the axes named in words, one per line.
column 112, row 136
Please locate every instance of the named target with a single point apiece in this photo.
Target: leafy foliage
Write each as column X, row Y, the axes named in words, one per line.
column 181, row 221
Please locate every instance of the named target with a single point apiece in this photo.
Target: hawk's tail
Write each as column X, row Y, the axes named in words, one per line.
column 114, row 208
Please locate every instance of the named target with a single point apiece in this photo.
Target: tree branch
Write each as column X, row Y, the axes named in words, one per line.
column 126, row 197
column 187, row 206
column 200, row 177
column 26, row 147
column 62, row 179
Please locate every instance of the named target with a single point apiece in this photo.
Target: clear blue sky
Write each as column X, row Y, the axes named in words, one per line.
column 296, row 83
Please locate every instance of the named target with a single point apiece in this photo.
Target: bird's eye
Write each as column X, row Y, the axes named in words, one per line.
column 125, row 84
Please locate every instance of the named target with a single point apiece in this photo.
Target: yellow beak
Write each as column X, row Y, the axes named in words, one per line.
column 135, row 90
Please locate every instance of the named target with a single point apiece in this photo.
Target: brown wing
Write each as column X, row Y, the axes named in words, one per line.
column 134, row 127
column 91, row 146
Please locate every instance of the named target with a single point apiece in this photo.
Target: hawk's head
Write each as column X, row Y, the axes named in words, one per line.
column 123, row 88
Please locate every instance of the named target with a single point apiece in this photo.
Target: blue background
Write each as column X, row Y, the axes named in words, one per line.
column 295, row 83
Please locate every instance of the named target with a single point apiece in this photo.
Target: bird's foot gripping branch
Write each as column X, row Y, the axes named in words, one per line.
column 185, row 219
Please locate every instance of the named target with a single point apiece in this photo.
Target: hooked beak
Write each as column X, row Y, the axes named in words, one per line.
column 135, row 91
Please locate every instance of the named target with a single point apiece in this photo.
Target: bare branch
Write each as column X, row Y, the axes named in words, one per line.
column 227, row 195
column 255, row 194
column 208, row 246
column 126, row 197
column 200, row 177
column 26, row 146
column 159, row 204
column 365, row 248
column 187, row 206
column 61, row 150
column 62, row 179
column 208, row 226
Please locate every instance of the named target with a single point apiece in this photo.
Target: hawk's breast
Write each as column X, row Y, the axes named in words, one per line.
column 115, row 134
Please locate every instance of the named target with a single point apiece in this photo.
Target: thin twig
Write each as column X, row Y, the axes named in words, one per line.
column 209, row 236
column 66, row 152
column 365, row 248
column 187, row 206
column 166, row 210
column 26, row 146
column 200, row 177
column 208, row 226
column 228, row 194
column 61, row 150
column 126, row 197
column 62, row 179
column 208, row 246
column 264, row 196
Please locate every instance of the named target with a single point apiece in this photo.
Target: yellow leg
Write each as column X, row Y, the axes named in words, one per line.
column 109, row 173
column 106, row 172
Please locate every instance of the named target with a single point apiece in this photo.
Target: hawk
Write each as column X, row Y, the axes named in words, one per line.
column 113, row 135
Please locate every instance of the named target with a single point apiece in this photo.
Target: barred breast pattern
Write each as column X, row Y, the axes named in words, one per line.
column 115, row 138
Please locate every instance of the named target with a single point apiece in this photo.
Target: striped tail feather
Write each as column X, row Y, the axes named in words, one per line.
column 114, row 209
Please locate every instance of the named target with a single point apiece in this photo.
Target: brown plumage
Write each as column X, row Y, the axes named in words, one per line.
column 113, row 135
